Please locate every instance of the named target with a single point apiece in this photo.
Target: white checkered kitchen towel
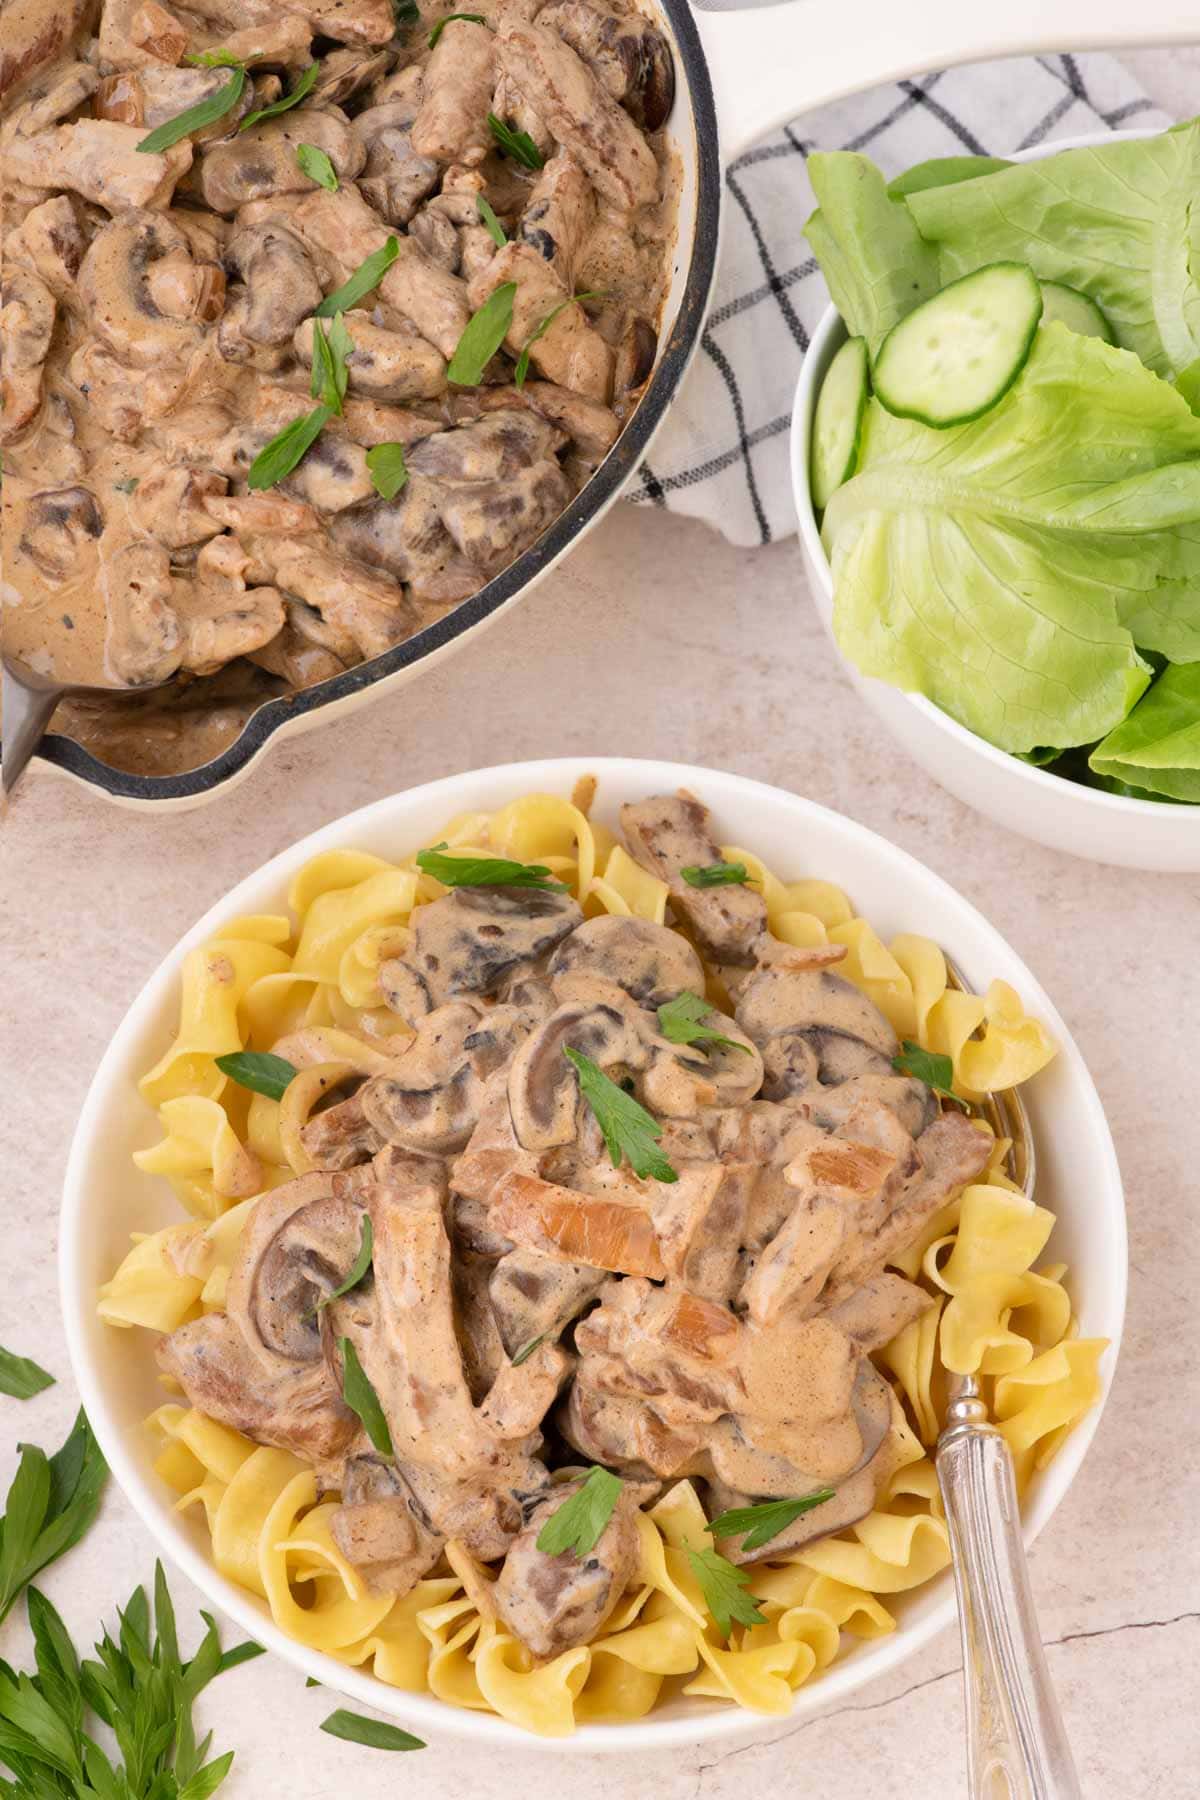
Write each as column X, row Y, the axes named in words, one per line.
column 722, row 455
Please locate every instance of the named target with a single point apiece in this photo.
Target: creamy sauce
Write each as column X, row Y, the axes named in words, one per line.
column 531, row 1303
column 151, row 352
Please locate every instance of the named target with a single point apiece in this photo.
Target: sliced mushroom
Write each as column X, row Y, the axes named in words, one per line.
column 142, row 320
column 406, row 537
column 27, row 311
column 60, row 526
column 345, row 73
column 552, row 1603
column 624, row 50
column 472, row 940
column 144, row 643
column 381, row 1529
column 259, row 1365
column 281, row 285
column 395, row 180
column 261, row 163
column 487, row 450
column 534, row 1296
column 813, row 1027
column 493, row 523
column 432, row 1101
column 651, row 963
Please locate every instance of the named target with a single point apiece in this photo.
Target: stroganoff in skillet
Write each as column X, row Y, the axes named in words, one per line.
column 314, row 320
column 621, row 1210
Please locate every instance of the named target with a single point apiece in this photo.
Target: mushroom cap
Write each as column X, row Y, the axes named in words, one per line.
column 116, row 289
column 473, row 939
column 652, row 963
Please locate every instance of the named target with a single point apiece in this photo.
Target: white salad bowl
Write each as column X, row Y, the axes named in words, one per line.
column 1111, row 828
column 105, row 1200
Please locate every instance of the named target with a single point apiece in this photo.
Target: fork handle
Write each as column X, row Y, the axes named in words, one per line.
column 1017, row 1747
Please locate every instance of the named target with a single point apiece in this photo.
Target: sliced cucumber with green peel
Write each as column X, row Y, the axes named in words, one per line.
column 837, row 423
column 1075, row 311
column 956, row 355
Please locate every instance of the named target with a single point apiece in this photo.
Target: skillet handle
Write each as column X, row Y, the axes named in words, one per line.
column 769, row 63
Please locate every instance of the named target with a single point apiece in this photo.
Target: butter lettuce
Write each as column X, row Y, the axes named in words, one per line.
column 872, row 256
column 1119, row 221
column 1158, row 746
column 1007, row 568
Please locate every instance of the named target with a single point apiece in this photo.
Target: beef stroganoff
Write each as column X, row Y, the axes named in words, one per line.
column 313, row 323
column 581, row 1232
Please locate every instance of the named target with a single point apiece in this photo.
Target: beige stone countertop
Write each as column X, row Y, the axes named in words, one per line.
column 658, row 639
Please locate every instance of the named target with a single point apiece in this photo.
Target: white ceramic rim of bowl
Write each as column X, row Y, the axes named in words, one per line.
column 1039, row 780
column 966, row 935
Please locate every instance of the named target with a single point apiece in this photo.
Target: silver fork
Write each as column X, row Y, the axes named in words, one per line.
column 1017, row 1746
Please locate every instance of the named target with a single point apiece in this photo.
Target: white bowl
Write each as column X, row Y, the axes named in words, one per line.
column 104, row 1200
column 1139, row 834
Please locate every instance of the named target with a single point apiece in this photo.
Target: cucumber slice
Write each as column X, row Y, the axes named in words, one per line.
column 837, row 423
column 956, row 355
column 1075, row 311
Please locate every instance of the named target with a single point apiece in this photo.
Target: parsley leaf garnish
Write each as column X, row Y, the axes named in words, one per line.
column 20, row 1378
column 358, row 1268
column 194, row 118
column 579, row 1523
column 316, row 165
column 485, row 871
column 387, row 469
column 719, row 874
column 628, row 1128
column 220, row 59
column 484, row 209
column 679, row 1022
column 517, row 144
column 527, row 1350
column 362, row 1399
column 330, row 376
column 937, row 1072
column 303, row 86
column 467, row 18
column 287, row 448
column 763, row 1522
column 724, row 1589
column 259, row 1071
column 482, row 336
column 368, row 275
column 51, row 1503
column 374, row 1733
column 521, row 371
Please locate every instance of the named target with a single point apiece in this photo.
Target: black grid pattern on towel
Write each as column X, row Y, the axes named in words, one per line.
column 722, row 454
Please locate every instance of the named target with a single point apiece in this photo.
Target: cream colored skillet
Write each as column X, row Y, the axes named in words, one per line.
column 740, row 72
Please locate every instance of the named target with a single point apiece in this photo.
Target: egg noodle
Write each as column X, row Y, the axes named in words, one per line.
column 312, row 979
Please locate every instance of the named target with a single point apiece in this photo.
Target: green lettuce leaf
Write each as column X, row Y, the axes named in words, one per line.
column 1006, row 568
column 871, row 254
column 1158, row 746
column 1115, row 220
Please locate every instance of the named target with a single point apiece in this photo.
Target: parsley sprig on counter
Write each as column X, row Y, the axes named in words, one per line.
column 138, row 1685
column 51, row 1503
column 20, row 1377
column 629, row 1130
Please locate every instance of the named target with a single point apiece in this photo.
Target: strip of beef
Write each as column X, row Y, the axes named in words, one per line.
column 451, row 125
